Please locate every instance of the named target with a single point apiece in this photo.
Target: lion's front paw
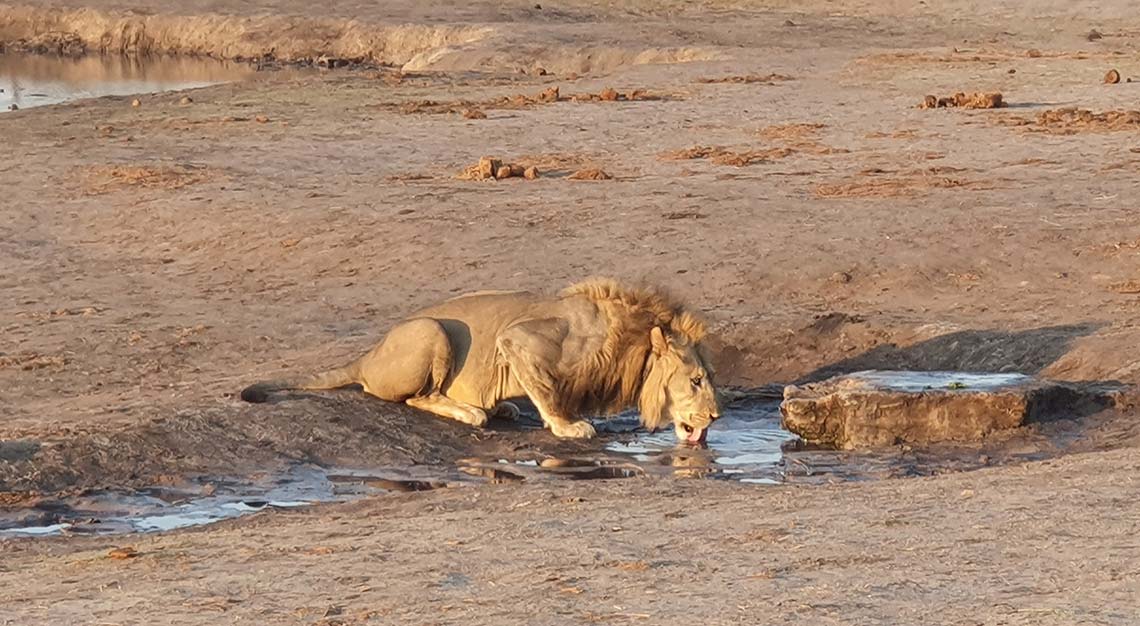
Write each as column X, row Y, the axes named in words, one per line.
column 476, row 417
column 580, row 429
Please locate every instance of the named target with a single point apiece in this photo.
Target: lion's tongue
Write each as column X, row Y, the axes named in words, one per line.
column 698, row 435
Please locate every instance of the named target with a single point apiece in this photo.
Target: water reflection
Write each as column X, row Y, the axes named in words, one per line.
column 36, row 80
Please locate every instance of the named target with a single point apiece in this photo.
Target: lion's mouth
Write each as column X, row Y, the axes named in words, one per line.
column 694, row 435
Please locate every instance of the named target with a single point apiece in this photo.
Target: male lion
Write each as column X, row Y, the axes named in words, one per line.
column 597, row 347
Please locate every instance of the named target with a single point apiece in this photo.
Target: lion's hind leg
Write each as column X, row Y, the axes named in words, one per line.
column 411, row 365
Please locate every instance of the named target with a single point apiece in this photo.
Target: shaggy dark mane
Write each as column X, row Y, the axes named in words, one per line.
column 611, row 379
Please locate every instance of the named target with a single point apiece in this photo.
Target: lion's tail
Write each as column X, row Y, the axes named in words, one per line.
column 332, row 379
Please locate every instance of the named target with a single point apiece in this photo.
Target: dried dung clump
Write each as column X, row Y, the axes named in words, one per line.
column 873, row 184
column 1112, row 77
column 800, row 137
column 1071, row 120
column 102, row 179
column 472, row 109
column 786, row 132
column 961, row 100
column 769, row 79
column 724, row 156
column 589, row 173
column 125, row 552
column 1128, row 287
column 29, row 362
column 489, row 168
column 610, row 94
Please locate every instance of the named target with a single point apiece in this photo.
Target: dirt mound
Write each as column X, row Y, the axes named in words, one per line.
column 227, row 36
column 591, row 173
column 1071, row 121
column 962, row 100
column 505, row 54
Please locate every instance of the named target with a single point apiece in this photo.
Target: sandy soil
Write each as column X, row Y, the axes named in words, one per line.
column 158, row 258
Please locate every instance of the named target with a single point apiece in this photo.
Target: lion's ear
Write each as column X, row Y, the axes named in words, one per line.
column 658, row 341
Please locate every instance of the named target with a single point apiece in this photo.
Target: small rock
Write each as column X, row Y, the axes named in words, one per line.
column 609, row 94
column 540, row 71
column 1112, row 77
column 261, row 119
column 186, row 100
column 1011, row 71
column 538, row 7
column 13, row 107
column 1033, row 53
column 474, row 114
column 1094, row 35
column 136, row 102
column 789, row 23
column 840, row 277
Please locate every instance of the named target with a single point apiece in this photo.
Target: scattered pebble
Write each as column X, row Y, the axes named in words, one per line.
column 1112, row 77
column 136, row 102
column 186, row 100
column 1094, row 35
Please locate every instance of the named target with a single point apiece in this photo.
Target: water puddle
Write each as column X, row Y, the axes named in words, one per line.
column 745, row 445
column 205, row 500
column 36, row 80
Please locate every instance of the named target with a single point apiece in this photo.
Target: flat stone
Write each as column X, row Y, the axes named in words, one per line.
column 877, row 408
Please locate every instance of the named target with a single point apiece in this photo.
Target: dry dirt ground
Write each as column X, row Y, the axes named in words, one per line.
column 775, row 171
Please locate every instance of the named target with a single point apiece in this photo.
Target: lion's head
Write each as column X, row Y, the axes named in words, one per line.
column 678, row 386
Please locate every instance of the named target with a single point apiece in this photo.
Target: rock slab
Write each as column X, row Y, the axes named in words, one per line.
column 878, row 408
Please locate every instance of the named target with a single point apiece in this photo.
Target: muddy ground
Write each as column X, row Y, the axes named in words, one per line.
column 774, row 171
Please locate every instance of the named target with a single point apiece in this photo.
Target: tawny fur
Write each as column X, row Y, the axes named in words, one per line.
column 598, row 347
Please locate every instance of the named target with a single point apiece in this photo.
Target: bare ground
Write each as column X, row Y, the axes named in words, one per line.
column 158, row 258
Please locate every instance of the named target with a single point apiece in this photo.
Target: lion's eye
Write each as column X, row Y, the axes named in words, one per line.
column 697, row 381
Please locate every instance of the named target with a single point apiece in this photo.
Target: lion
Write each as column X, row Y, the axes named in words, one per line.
column 597, row 347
